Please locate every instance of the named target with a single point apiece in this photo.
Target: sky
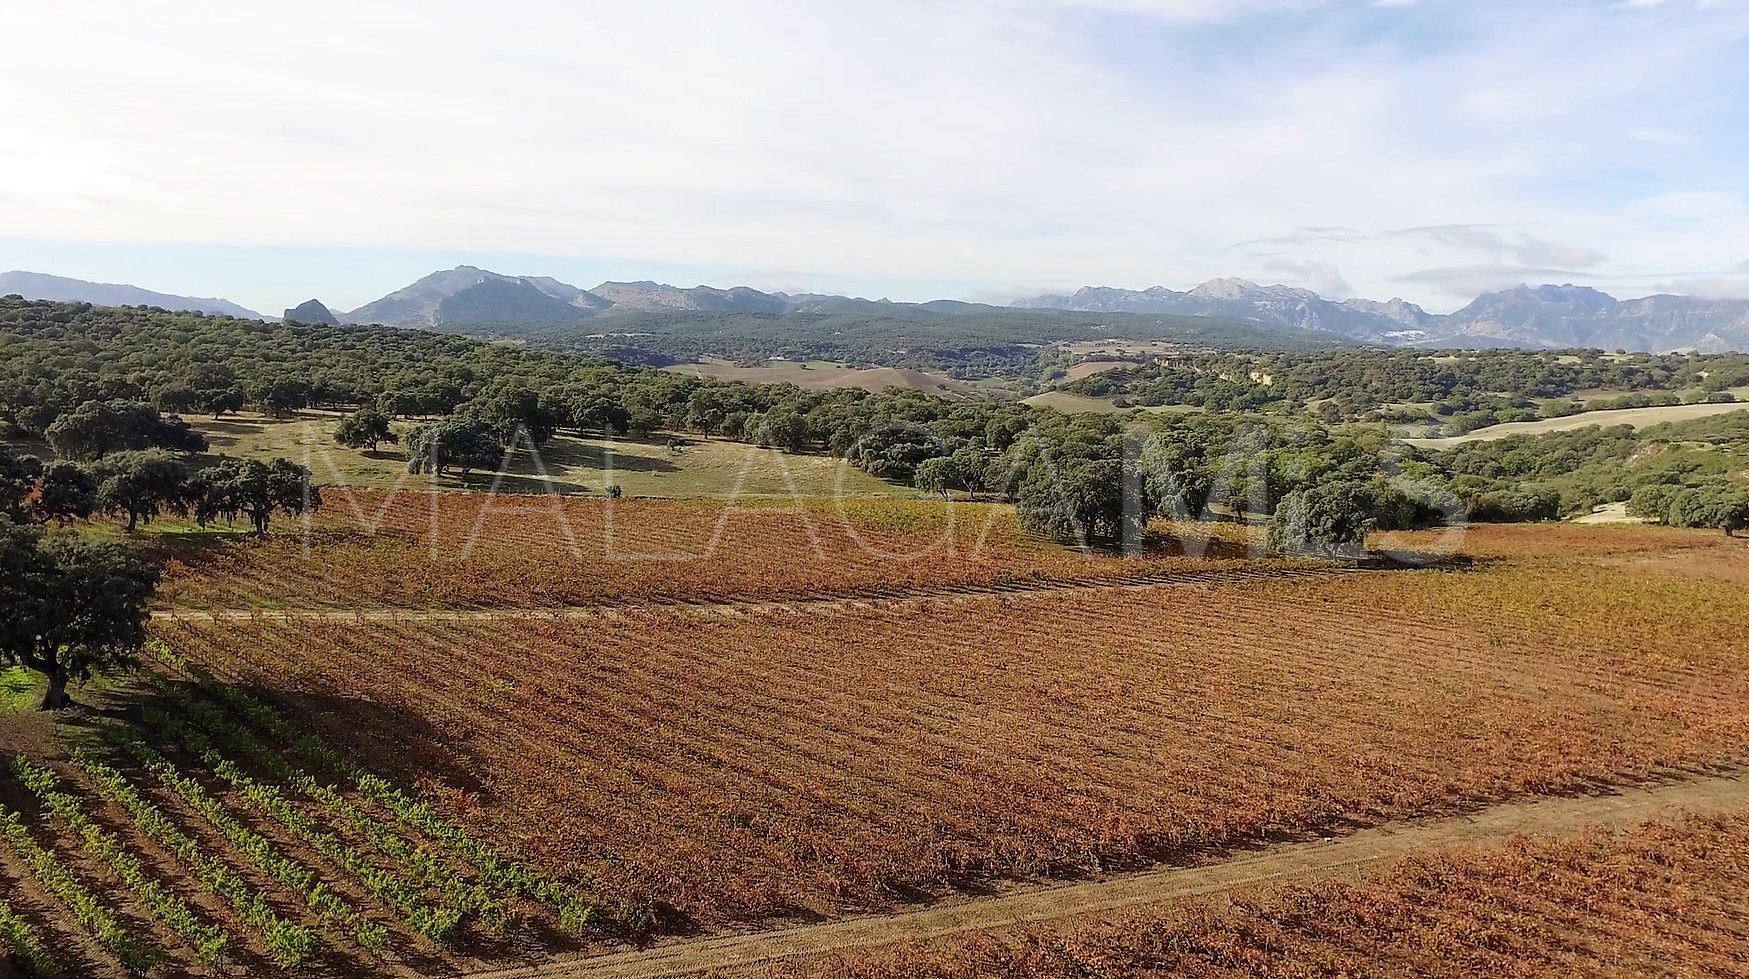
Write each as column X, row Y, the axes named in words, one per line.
column 975, row 149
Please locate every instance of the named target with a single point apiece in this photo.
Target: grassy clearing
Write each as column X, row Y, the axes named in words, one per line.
column 19, row 691
column 1071, row 403
column 821, row 374
column 704, row 467
column 1637, row 417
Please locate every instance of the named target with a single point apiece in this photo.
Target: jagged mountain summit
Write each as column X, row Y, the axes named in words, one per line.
column 1546, row 316
column 1285, row 306
column 311, row 313
column 704, row 299
column 37, row 285
column 466, row 294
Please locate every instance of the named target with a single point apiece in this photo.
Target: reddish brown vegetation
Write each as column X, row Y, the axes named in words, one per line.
column 1551, row 540
column 741, row 765
column 458, row 550
column 1665, row 899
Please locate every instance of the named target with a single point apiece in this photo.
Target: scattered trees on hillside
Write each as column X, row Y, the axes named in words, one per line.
column 595, row 412
column 368, row 427
column 141, row 485
column 515, row 413
column 63, row 357
column 18, row 478
column 66, row 492
column 1330, row 520
column 252, row 489
column 97, row 428
column 1082, row 501
column 1718, row 505
column 70, row 605
column 463, row 444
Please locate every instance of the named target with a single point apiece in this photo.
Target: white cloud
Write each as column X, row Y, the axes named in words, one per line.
column 1465, row 282
column 1321, row 277
column 897, row 148
column 1708, row 287
column 1660, row 137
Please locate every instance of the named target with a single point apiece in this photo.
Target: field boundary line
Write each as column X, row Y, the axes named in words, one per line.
column 726, row 954
column 827, row 600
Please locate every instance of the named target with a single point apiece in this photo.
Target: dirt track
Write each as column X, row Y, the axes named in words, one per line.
column 811, row 601
column 1298, row 861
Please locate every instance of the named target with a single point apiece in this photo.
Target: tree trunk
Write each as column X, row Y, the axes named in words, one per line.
column 56, row 696
column 133, row 520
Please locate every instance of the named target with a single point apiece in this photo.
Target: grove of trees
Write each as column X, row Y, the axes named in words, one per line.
column 458, row 405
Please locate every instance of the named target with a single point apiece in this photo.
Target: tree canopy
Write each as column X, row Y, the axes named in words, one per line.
column 70, row 605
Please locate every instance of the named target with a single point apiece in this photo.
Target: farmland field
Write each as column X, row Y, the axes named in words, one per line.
column 371, row 549
column 476, row 733
column 754, row 764
column 1660, row 899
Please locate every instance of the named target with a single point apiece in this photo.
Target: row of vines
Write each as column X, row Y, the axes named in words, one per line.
column 1665, row 899
column 217, row 835
column 458, row 550
column 739, row 766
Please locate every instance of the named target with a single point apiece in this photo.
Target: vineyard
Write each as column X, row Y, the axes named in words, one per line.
column 215, row 837
column 1663, row 899
column 750, row 764
column 457, row 550
column 420, row 793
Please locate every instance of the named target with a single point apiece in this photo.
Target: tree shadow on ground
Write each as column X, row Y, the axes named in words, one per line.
column 512, row 483
column 582, row 455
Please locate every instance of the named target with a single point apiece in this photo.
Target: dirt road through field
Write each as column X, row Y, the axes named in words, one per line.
column 1288, row 862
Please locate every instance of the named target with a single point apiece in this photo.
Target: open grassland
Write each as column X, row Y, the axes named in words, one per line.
column 816, row 374
column 1071, row 403
column 742, row 765
column 1636, row 417
column 370, row 549
column 1088, row 368
column 703, row 467
column 1663, row 899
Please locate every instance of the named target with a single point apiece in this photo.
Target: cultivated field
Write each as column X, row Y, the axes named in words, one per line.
column 394, row 754
column 1663, row 899
column 208, row 837
column 369, row 549
column 751, row 764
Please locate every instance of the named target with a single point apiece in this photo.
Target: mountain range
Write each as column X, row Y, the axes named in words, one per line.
column 1543, row 316
column 36, row 285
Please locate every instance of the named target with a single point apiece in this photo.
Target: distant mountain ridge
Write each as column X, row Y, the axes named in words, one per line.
column 469, row 296
column 38, row 285
column 477, row 300
column 1546, row 316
